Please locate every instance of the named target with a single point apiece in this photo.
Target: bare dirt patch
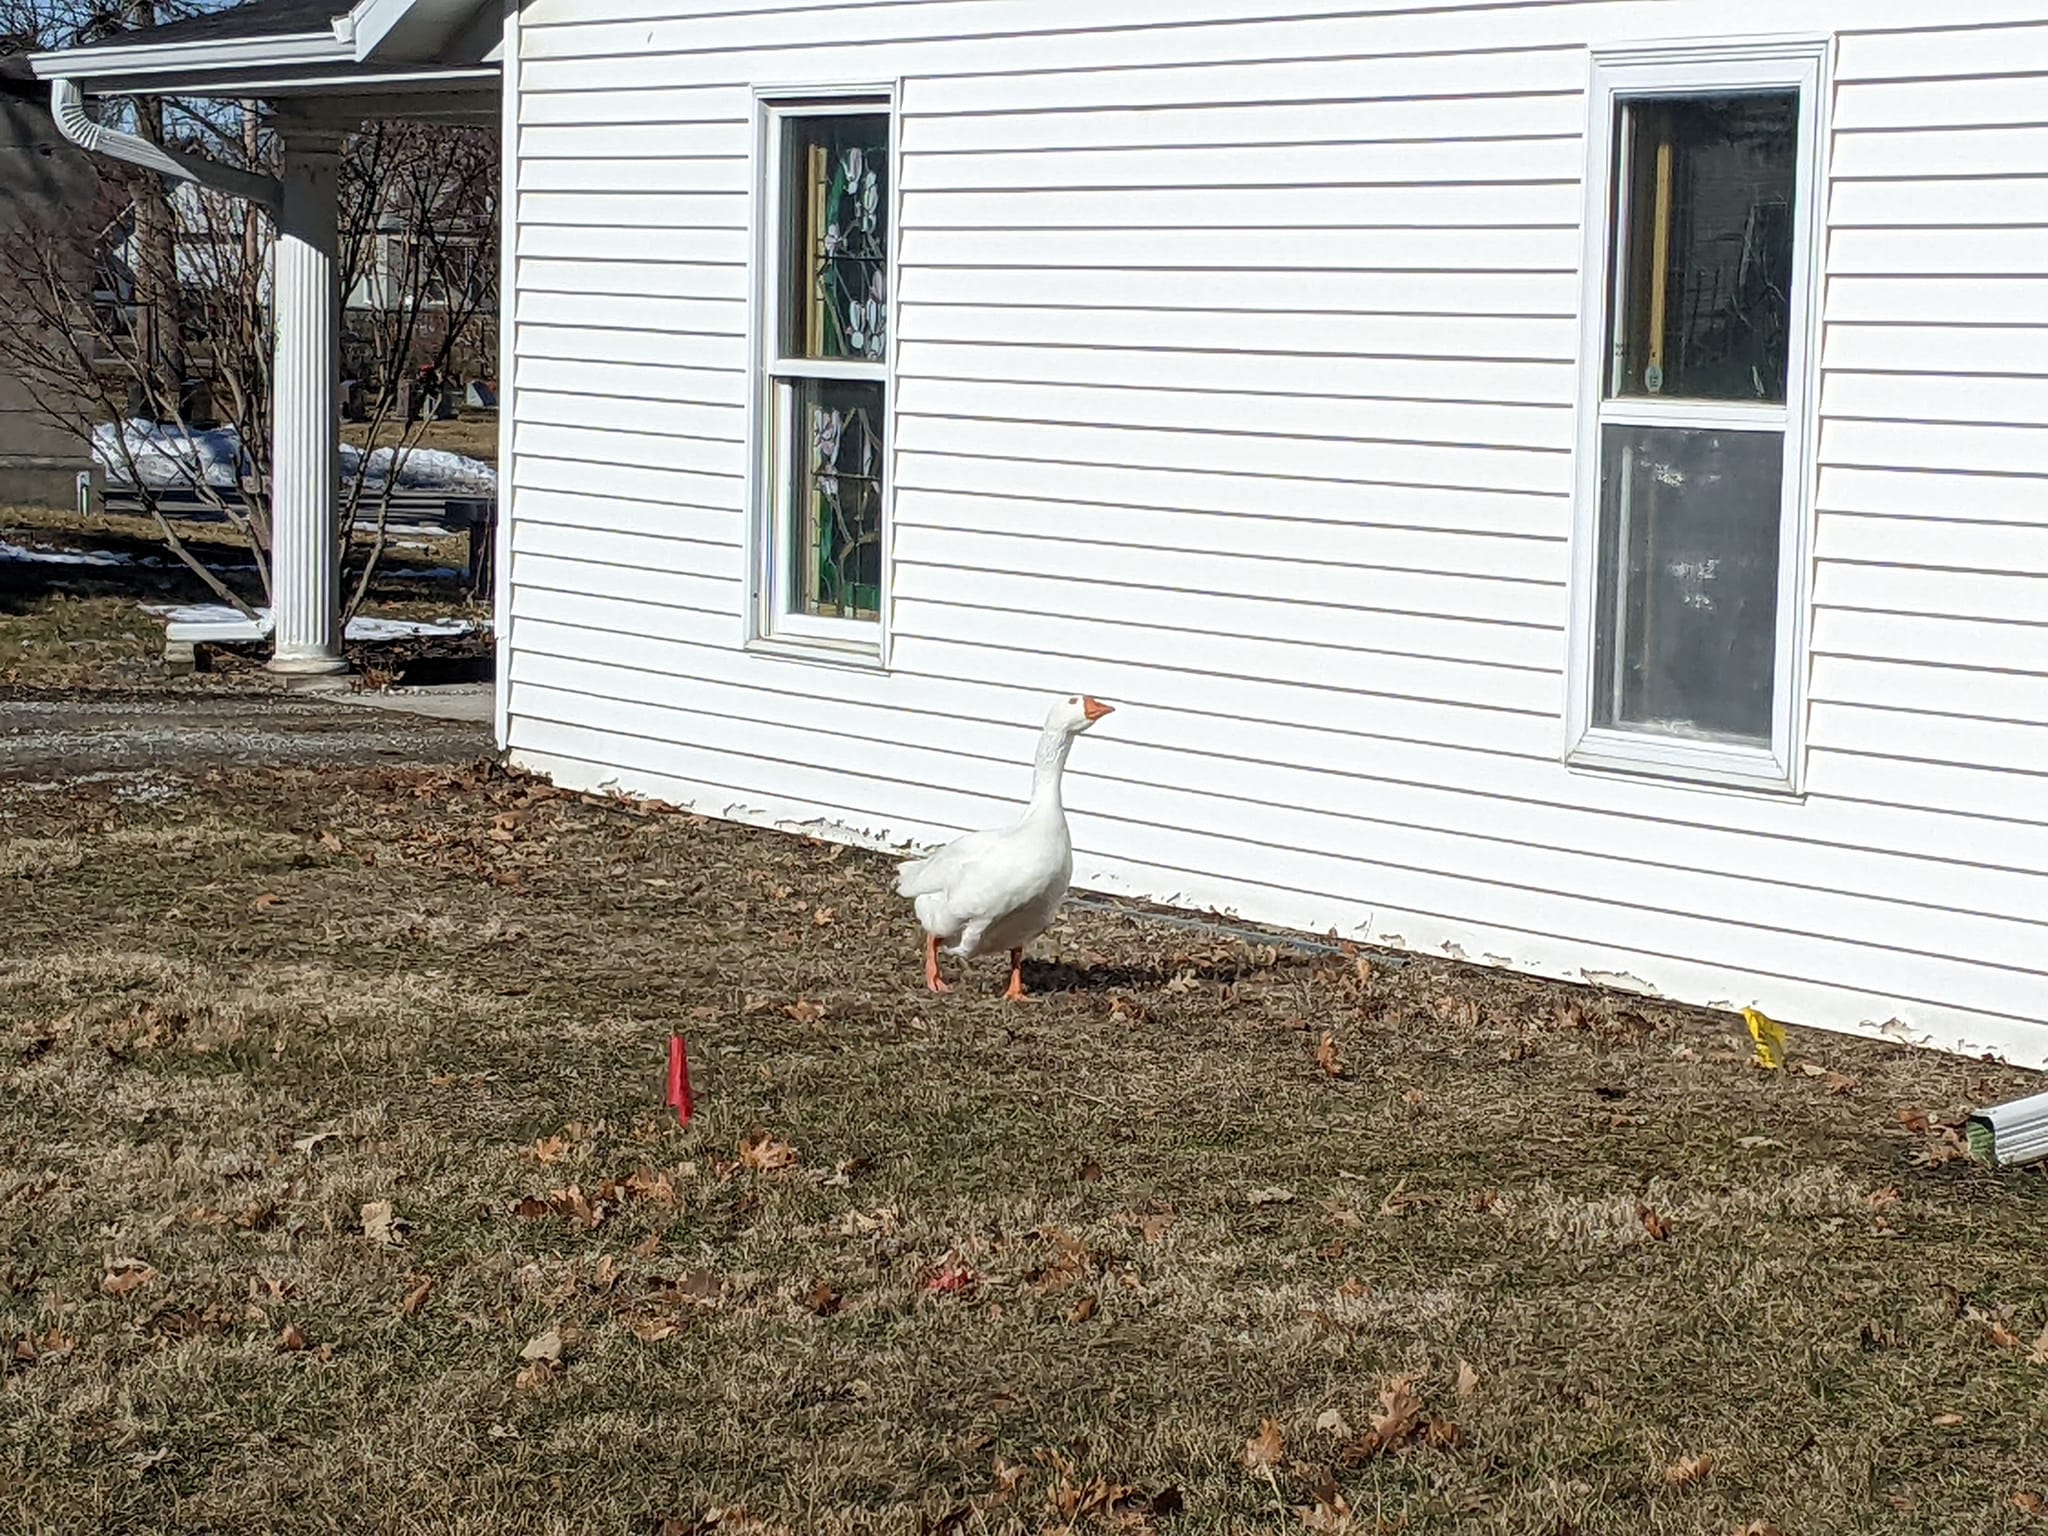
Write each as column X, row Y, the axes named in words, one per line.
column 336, row 1194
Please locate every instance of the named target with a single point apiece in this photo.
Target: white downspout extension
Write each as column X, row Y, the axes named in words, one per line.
column 305, row 325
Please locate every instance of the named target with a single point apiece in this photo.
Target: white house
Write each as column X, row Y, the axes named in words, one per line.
column 1562, row 485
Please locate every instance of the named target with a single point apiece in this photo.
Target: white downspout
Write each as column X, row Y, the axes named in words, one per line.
column 67, row 106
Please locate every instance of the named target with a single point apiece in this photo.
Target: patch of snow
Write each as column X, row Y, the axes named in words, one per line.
column 404, row 629
column 181, row 456
column 424, row 469
column 169, row 455
column 18, row 553
column 217, row 621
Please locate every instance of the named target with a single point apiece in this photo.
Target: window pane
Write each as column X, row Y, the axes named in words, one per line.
column 835, row 219
column 835, row 444
column 1685, row 638
column 1705, row 246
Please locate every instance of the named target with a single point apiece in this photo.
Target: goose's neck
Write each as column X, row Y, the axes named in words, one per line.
column 1048, row 770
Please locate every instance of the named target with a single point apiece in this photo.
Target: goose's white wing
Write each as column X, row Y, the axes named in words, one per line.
column 919, row 877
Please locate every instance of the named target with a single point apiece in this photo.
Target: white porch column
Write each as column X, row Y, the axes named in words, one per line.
column 305, row 573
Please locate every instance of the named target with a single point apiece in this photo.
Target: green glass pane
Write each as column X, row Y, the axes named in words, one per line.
column 838, row 448
column 836, row 221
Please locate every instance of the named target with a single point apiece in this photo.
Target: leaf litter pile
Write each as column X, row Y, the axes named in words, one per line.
column 336, row 1193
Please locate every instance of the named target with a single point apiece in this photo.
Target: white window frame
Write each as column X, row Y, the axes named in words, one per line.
column 1702, row 69
column 772, row 627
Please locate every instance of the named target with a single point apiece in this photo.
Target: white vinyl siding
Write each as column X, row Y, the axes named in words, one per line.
column 1235, row 377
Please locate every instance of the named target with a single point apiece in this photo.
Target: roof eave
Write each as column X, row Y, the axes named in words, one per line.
column 109, row 67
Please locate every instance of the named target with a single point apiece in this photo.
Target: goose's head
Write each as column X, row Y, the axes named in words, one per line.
column 1073, row 716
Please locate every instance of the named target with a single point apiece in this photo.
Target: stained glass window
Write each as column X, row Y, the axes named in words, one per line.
column 838, row 566
column 837, row 301
column 827, row 368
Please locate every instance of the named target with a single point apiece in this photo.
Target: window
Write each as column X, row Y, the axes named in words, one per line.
column 823, row 401
column 1694, row 417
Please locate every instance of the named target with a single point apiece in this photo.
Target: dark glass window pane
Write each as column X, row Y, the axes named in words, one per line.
column 1685, row 637
column 835, row 435
column 835, row 300
column 1704, row 246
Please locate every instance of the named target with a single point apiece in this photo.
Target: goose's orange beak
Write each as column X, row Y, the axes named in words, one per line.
column 1095, row 709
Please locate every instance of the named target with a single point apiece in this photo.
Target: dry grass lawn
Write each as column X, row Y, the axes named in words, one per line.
column 72, row 625
column 336, row 1195
column 474, row 434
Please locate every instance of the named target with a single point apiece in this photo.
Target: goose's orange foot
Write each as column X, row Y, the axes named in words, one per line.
column 932, row 979
column 1016, row 992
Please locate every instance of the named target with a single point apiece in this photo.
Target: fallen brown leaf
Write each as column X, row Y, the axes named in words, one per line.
column 379, row 1225
column 653, row 1330
column 765, row 1154
column 1154, row 1225
column 805, row 1011
column 546, row 1347
column 823, row 1300
column 1468, row 1380
column 1654, row 1222
column 700, row 1285
column 550, row 1149
column 1084, row 1309
column 1916, row 1121
column 952, row 1277
column 1266, row 1448
column 126, row 1275
column 1089, row 1172
column 1396, row 1421
column 1947, row 1420
column 1400, row 1200
column 291, row 1339
column 1400, row 1411
column 2039, row 1354
column 1688, row 1470
column 330, row 842
column 2029, row 1502
column 417, row 1296
column 543, row 1356
column 1328, row 1057
column 265, row 902
column 1330, row 1515
column 2001, row 1336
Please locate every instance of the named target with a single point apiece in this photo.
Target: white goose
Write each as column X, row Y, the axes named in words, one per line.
column 991, row 891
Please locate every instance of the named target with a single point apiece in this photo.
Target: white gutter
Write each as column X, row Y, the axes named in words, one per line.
column 107, row 60
column 67, row 106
